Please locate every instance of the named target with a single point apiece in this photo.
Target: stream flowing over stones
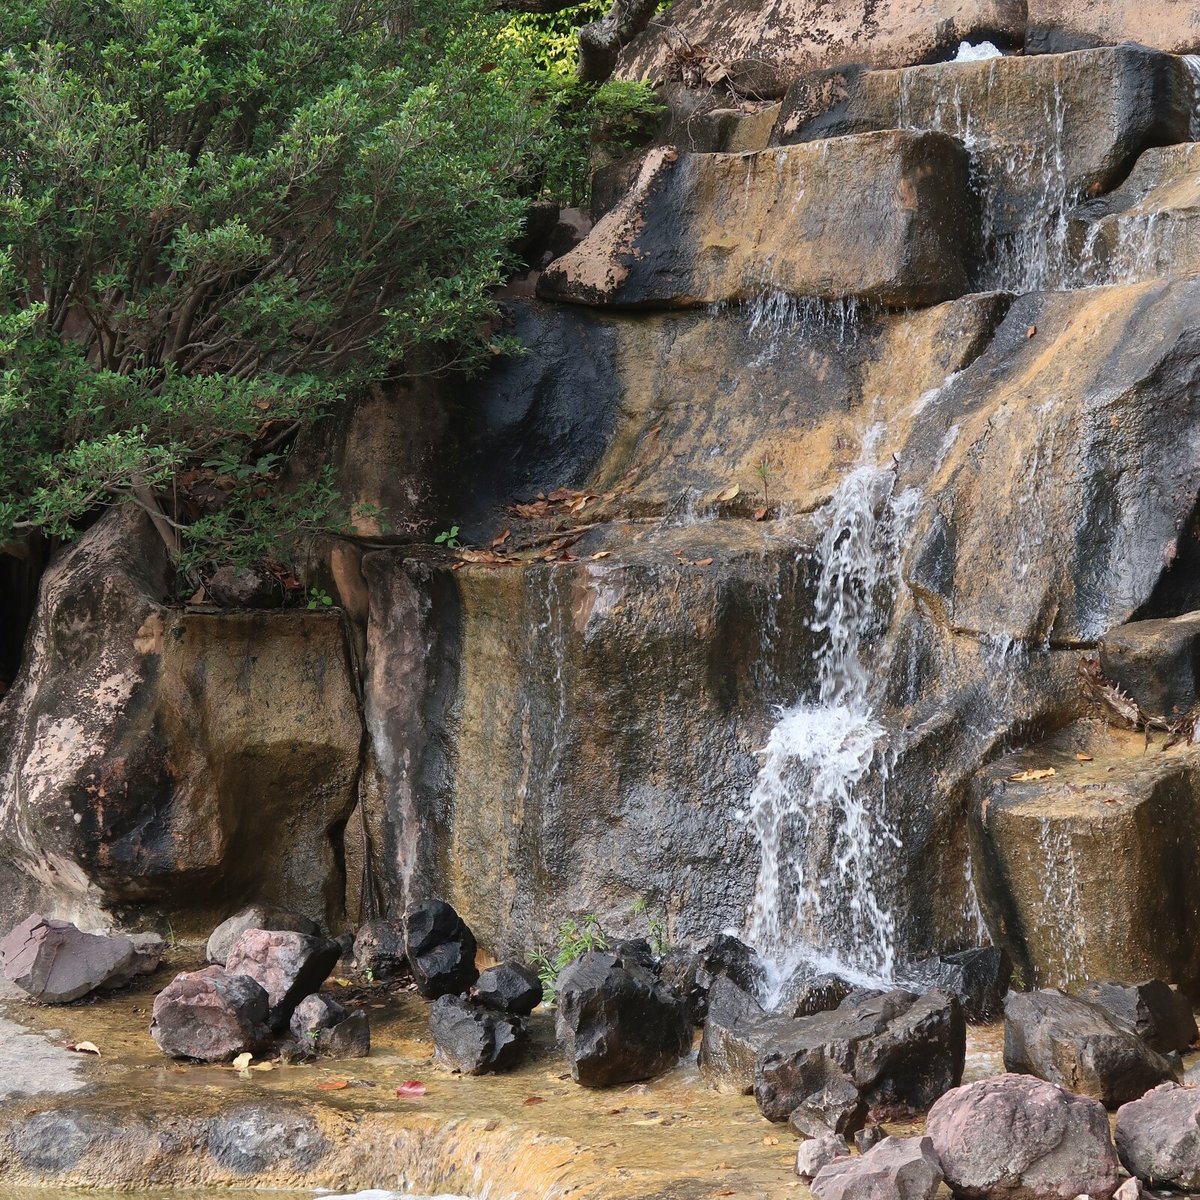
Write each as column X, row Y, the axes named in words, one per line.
column 831, row 580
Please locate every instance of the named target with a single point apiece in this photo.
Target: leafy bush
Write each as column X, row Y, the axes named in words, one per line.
column 217, row 217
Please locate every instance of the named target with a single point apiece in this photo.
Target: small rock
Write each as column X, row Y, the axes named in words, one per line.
column 379, row 950
column 345, row 945
column 1158, row 1137
column 1131, row 1189
column 475, row 1040
column 440, row 950
column 210, row 1015
column 823, row 993
column 1079, row 1046
column 313, row 1014
column 55, row 962
column 1160, row 1014
column 255, row 916
column 896, row 1169
column 350, row 1038
column 288, row 965
column 1017, row 1138
column 868, row 1136
column 978, row 977
column 836, row 1107
column 815, row 1153
column 244, row 587
column 617, row 1022
column 509, row 987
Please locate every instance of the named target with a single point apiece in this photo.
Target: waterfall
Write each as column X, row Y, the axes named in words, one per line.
column 817, row 804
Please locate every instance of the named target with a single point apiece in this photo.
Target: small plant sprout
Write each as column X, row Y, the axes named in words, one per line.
column 319, row 598
column 575, row 937
column 764, row 473
column 448, row 538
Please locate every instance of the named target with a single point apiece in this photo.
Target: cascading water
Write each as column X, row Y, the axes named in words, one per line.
column 817, row 805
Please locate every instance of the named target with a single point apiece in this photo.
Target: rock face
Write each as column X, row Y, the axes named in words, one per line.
column 154, row 757
column 1157, row 1012
column 616, row 1022
column 509, row 988
column 1125, row 817
column 210, row 1015
column 288, row 966
column 977, row 977
column 1059, row 25
column 475, row 1040
column 896, row 1048
column 55, row 963
column 895, row 1169
column 1017, row 1138
column 1157, row 663
column 678, row 240
column 1077, row 1046
column 761, row 47
column 440, row 950
column 1158, row 1137
column 254, row 916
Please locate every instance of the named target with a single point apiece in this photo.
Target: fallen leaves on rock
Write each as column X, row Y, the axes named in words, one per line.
column 1081, row 757
column 333, row 1085
column 1032, row 776
column 84, row 1048
column 728, row 494
column 533, row 1100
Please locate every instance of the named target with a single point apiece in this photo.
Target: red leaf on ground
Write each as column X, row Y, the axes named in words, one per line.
column 411, row 1088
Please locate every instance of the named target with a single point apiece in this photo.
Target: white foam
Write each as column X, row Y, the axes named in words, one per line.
column 980, row 53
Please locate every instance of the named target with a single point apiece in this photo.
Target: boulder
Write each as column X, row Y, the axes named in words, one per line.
column 617, row 1022
column 759, row 47
column 288, row 966
column 379, row 949
column 726, row 956
column 868, row 1136
column 679, row 970
column 884, row 219
column 254, row 916
column 509, row 987
column 896, row 1048
column 978, row 977
column 815, row 1153
column 1056, row 26
column 735, row 1031
column 1158, row 1137
column 895, row 1169
column 836, row 1107
column 244, row 587
column 324, row 1026
column 475, row 1040
column 55, row 963
column 1157, row 662
column 210, row 1015
column 440, row 949
column 1017, row 1138
column 818, row 994
column 1077, row 1045
column 1159, row 1013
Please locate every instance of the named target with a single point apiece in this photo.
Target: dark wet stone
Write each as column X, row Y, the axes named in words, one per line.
column 379, row 949
column 475, row 1040
column 978, row 977
column 1159, row 1013
column 440, row 950
column 509, row 987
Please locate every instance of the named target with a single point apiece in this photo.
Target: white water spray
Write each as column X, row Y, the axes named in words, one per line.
column 817, row 805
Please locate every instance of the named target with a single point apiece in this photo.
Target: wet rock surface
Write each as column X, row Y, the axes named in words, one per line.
column 836, row 1107
column 895, row 1169
column 617, row 1023
column 254, row 916
column 473, row 1040
column 288, row 966
column 379, row 949
column 211, row 1015
column 1079, row 1047
column 1156, row 663
column 1022, row 1139
column 1060, row 25
column 735, row 1031
column 1158, row 1137
column 978, row 977
column 1156, row 1011
column 440, row 949
column 675, row 240
column 509, row 988
column 323, row 1026
column 55, row 962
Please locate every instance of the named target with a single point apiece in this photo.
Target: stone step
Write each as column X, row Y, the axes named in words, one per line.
column 1090, row 873
column 1149, row 227
column 886, row 219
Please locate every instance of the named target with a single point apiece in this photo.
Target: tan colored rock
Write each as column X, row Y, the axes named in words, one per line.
column 885, row 219
column 760, row 47
column 179, row 760
column 1057, row 25
column 1088, row 874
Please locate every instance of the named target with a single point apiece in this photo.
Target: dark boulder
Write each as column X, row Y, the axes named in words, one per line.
column 978, row 977
column 1078, row 1046
column 735, row 1031
column 288, row 966
column 819, row 993
column 728, row 957
column 440, row 950
column 379, row 949
column 678, row 970
column 254, row 916
column 509, row 987
column 617, row 1022
column 1156, row 663
column 1160, row 1014
column 55, row 963
column 1158, row 1137
column 475, row 1040
column 324, row 1026
column 898, row 1049
column 210, row 1015
column 1017, row 1138
column 836, row 1107
column 896, row 1169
